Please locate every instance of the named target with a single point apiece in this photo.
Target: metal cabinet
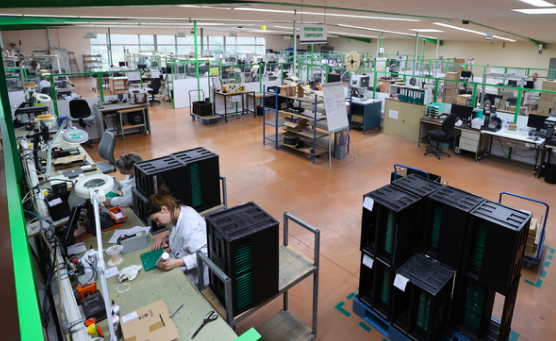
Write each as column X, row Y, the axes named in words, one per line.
column 366, row 115
column 401, row 119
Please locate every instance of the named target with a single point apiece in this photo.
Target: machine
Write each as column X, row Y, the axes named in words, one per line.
column 359, row 85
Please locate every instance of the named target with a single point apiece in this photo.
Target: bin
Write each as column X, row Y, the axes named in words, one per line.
column 549, row 171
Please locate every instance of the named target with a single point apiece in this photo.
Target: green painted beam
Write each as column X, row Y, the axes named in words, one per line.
column 365, row 40
column 28, row 310
column 105, row 3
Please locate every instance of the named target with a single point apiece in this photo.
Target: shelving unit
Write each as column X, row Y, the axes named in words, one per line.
column 92, row 62
column 294, row 267
column 280, row 122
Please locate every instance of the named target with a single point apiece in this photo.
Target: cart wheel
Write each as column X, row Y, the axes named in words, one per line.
column 529, row 265
column 193, row 118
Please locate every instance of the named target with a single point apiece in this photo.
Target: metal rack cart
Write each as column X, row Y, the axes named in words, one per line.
column 397, row 167
column 535, row 237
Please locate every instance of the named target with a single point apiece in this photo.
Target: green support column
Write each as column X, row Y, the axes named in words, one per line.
column 415, row 52
column 110, row 47
column 196, row 42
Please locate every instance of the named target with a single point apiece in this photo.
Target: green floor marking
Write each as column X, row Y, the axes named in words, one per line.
column 365, row 326
column 513, row 336
column 551, row 250
column 350, row 296
column 550, row 257
column 546, row 264
column 342, row 310
column 538, row 284
column 543, row 273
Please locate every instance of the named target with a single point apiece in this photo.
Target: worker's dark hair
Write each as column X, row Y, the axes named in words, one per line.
column 127, row 161
column 162, row 198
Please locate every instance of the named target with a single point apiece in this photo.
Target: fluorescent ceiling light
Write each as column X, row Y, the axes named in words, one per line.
column 287, row 28
column 263, row 10
column 538, row 3
column 536, row 11
column 323, row 14
column 472, row 31
column 49, row 16
column 352, row 34
column 357, row 16
column 383, row 31
column 424, row 30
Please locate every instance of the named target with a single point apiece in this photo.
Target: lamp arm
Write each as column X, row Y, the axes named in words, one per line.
column 95, row 197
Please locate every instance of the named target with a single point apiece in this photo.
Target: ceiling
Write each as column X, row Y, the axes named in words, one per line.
column 358, row 18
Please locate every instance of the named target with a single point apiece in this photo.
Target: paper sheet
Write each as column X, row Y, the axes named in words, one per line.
column 368, row 203
column 400, row 282
column 111, row 272
column 118, row 233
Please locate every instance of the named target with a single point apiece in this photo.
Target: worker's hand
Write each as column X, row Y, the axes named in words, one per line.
column 170, row 263
column 159, row 243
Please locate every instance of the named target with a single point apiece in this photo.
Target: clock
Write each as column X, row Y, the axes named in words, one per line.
column 353, row 61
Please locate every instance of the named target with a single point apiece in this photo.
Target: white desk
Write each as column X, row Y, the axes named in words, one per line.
column 531, row 142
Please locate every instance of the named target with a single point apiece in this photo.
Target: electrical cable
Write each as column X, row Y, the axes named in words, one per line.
column 38, row 216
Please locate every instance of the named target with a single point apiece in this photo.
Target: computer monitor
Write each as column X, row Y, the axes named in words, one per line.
column 462, row 112
column 122, row 64
column 465, row 74
column 536, row 121
column 333, row 78
column 141, row 66
column 512, row 83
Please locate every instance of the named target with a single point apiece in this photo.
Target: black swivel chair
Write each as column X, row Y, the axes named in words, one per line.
column 442, row 135
column 80, row 113
column 155, row 87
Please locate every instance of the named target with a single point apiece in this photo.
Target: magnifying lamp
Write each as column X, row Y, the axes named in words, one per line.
column 95, row 187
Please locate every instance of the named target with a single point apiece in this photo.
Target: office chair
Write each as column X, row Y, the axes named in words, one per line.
column 442, row 135
column 106, row 151
column 155, row 86
column 80, row 113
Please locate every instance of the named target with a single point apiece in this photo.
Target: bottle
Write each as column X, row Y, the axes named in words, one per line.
column 92, row 257
column 116, row 325
column 115, row 308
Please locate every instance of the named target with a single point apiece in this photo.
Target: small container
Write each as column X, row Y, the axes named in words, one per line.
column 163, row 257
column 116, row 325
column 91, row 257
column 115, row 308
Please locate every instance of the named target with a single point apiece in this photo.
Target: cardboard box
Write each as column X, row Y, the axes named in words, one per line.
column 152, row 322
column 452, row 75
column 549, row 85
column 463, row 99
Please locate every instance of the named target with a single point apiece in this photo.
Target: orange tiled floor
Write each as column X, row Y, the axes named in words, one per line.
column 331, row 200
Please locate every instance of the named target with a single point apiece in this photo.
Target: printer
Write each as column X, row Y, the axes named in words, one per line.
column 137, row 96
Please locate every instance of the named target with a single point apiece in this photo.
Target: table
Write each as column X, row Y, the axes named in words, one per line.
column 122, row 110
column 528, row 141
column 365, row 114
column 244, row 109
column 257, row 95
column 171, row 286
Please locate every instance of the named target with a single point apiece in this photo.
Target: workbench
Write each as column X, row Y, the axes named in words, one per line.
column 119, row 113
column 244, row 103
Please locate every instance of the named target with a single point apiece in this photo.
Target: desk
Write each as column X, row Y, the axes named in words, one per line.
column 171, row 286
column 521, row 140
column 470, row 139
column 117, row 84
column 122, row 110
column 365, row 114
column 243, row 95
column 257, row 95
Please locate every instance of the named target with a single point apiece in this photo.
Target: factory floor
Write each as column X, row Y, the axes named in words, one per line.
column 330, row 199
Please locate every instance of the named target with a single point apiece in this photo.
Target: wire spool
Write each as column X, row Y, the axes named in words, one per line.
column 43, row 98
column 115, row 252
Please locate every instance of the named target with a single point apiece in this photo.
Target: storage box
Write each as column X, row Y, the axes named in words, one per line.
column 152, row 322
column 549, row 85
column 287, row 90
column 202, row 108
column 452, row 75
column 463, row 99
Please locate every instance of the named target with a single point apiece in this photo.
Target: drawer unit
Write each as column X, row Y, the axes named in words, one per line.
column 469, row 140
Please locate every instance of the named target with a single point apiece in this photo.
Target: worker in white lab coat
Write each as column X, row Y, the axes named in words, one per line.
column 126, row 166
column 188, row 233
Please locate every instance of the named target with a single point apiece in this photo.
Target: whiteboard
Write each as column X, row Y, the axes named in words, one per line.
column 335, row 105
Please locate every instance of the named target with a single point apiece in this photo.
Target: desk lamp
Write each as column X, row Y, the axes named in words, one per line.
column 71, row 135
column 95, row 187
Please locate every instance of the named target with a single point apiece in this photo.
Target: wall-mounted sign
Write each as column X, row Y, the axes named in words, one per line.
column 89, row 35
column 312, row 34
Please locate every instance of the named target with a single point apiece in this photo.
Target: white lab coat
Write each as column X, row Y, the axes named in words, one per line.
column 126, row 186
column 188, row 236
